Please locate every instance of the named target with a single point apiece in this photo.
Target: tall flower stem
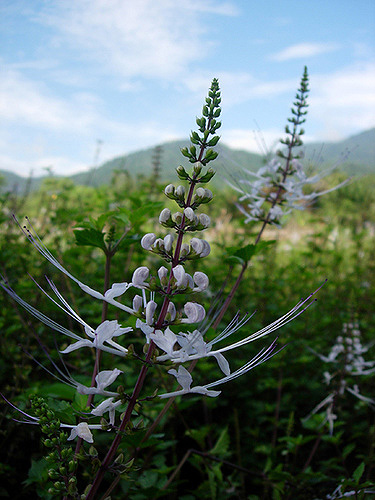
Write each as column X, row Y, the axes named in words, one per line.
column 291, row 142
column 159, row 323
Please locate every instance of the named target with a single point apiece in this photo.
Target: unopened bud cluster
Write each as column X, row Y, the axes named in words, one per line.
column 61, row 461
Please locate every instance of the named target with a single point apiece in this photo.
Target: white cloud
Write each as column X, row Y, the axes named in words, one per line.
column 303, row 50
column 239, row 87
column 143, row 38
column 36, row 167
column 30, row 103
column 344, row 101
column 260, row 142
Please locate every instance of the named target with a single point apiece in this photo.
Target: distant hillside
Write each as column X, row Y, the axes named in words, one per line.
column 140, row 163
column 355, row 155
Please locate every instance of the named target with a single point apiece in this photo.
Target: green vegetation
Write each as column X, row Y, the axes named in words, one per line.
column 301, row 426
column 252, row 442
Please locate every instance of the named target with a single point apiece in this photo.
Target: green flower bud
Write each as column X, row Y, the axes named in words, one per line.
column 208, row 175
column 181, row 172
column 197, row 168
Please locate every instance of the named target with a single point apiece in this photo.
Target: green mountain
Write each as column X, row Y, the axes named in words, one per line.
column 140, row 163
column 355, row 155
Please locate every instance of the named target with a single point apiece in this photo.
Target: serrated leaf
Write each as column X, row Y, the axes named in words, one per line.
column 38, row 472
column 89, row 237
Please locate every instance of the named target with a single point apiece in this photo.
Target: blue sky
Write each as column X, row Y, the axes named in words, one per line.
column 133, row 74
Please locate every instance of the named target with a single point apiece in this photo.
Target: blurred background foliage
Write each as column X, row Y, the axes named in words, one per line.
column 253, row 441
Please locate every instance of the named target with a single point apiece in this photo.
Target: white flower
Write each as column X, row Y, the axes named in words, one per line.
column 177, row 218
column 185, row 380
column 137, row 302
column 193, row 344
column 200, row 247
column 104, row 333
column 165, row 341
column 140, row 276
column 201, row 280
column 180, row 276
column 107, row 405
column 204, row 220
column 116, row 290
column 206, row 249
column 190, row 215
column 145, row 328
column 103, row 380
column 165, row 215
column 195, row 313
column 180, row 192
column 81, row 430
column 171, row 311
column 163, row 273
column 150, row 311
column 169, row 190
column 148, row 240
column 168, row 241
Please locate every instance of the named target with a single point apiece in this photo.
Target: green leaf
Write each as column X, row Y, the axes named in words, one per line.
column 89, row 237
column 38, row 472
column 241, row 255
column 80, row 401
column 357, row 474
column 148, row 479
column 199, row 434
column 221, row 447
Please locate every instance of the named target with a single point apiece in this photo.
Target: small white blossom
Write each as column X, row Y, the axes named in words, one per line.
column 163, row 274
column 190, row 215
column 103, row 380
column 201, row 280
column 165, row 216
column 81, row 430
column 180, row 191
column 185, row 380
column 104, row 333
column 169, row 190
column 150, row 311
column 165, row 341
column 168, row 241
column 200, row 247
column 148, row 240
column 137, row 302
column 145, row 328
column 204, row 220
column 171, row 311
column 107, row 406
column 140, row 276
column 177, row 218
column 195, row 313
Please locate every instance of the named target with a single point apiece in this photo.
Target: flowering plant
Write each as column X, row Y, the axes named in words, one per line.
column 158, row 317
